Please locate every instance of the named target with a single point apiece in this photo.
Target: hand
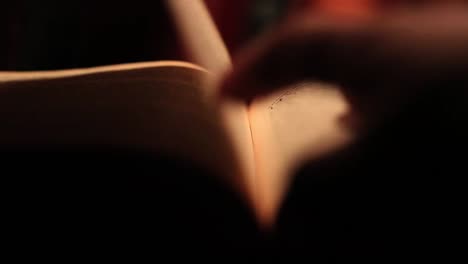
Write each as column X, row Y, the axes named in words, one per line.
column 380, row 63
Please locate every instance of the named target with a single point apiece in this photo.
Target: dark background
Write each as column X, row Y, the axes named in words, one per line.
column 39, row 35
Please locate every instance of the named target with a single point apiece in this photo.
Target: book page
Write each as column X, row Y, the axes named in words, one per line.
column 162, row 107
column 205, row 47
column 296, row 124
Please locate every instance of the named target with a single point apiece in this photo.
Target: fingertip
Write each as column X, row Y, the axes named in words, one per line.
column 245, row 92
column 226, row 86
column 234, row 87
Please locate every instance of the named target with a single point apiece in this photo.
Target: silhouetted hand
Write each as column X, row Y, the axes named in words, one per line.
column 380, row 63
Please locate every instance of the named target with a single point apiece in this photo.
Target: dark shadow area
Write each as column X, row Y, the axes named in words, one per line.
column 50, row 34
column 114, row 204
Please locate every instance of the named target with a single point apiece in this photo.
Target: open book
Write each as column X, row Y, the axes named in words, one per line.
column 171, row 108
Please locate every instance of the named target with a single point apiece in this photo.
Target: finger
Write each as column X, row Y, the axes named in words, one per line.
column 386, row 57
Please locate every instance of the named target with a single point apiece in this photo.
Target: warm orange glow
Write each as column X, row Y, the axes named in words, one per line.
column 345, row 8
